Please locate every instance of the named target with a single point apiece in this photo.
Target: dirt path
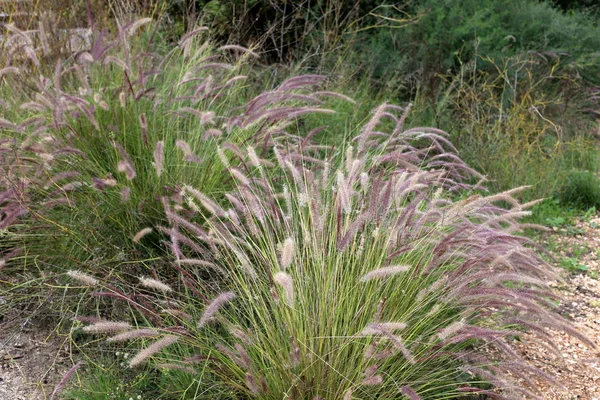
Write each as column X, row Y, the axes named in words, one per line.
column 32, row 361
column 576, row 248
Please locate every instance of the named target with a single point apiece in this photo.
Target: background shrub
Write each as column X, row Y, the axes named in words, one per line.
column 581, row 189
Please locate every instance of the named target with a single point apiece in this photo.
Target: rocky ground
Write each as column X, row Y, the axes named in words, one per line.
column 577, row 251
column 32, row 361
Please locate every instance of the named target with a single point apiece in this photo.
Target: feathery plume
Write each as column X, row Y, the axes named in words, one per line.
column 125, row 194
column 63, row 382
column 451, row 329
column 252, row 384
column 239, row 176
column 144, row 129
column 123, row 99
column 214, row 306
column 134, row 334
column 107, row 327
column 127, row 169
column 140, row 235
column 376, row 328
column 155, row 284
column 254, row 160
column 385, row 272
column 348, row 394
column 410, row 393
column 370, row 378
column 153, row 349
column 286, row 282
column 223, row 157
column 288, row 250
column 137, row 24
column 159, row 157
column 343, row 192
column 83, row 277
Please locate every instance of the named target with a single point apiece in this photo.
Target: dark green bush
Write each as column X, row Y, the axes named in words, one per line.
column 581, row 189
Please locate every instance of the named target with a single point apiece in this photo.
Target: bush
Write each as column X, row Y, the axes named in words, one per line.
column 581, row 189
column 357, row 276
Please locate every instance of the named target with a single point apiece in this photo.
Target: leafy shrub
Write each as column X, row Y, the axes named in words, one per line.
column 581, row 189
column 356, row 276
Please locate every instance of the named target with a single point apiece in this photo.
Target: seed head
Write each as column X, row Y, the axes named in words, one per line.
column 81, row 277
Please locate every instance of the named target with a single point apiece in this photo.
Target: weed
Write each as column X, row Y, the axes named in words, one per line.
column 572, row 264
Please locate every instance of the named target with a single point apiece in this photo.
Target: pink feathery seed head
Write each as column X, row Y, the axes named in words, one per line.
column 239, row 176
column 286, row 282
column 107, row 327
column 301, row 82
column 385, row 272
column 140, row 235
column 123, row 99
column 288, row 251
column 376, row 328
column 125, row 194
column 254, row 160
column 222, row 157
column 451, row 330
column 134, row 26
column 410, row 393
column 214, row 306
column 63, row 382
column 134, row 334
column 252, row 384
column 183, row 146
column 210, row 133
column 144, row 128
column 127, row 169
column 207, row 203
column 243, row 359
column 155, row 284
column 83, row 278
column 153, row 349
column 343, row 192
column 370, row 378
column 159, row 157
column 242, row 335
column 349, row 158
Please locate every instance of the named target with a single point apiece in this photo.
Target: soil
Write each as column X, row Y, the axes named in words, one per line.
column 32, row 361
column 579, row 369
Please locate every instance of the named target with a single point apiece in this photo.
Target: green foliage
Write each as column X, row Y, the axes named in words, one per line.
column 581, row 189
column 108, row 379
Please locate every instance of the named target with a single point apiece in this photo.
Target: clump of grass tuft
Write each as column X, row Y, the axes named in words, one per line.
column 353, row 276
column 580, row 189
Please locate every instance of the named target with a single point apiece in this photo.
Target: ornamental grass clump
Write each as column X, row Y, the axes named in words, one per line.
column 355, row 276
column 88, row 149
